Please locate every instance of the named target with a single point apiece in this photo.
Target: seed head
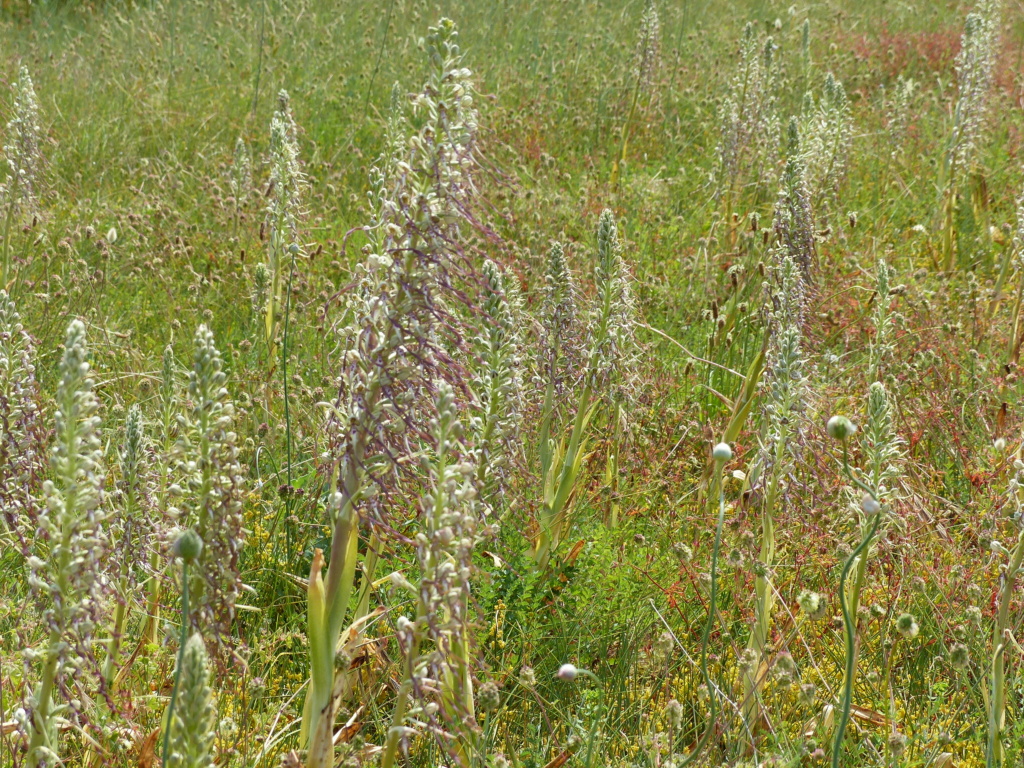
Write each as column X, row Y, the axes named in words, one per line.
column 907, row 626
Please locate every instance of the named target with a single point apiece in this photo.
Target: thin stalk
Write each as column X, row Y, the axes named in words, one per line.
column 849, row 627
column 997, row 714
column 616, row 167
column 705, row 636
column 120, row 613
column 181, row 657
column 289, row 497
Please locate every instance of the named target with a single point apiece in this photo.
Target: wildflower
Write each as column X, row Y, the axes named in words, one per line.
column 883, row 345
column 497, row 384
column 394, row 350
column 210, row 442
column 23, row 150
column 664, row 645
column 897, row 744
column 813, row 605
column 881, row 444
column 489, row 697
column 898, row 109
column 241, row 172
column 647, row 48
column 974, row 68
column 527, row 677
column 683, row 551
column 748, row 117
column 19, row 193
column 613, row 325
column 66, row 566
column 674, row 712
column 558, row 317
column 22, row 432
column 958, row 656
column 283, row 210
column 785, row 669
column 808, row 692
column 449, row 532
column 722, row 452
column 190, row 734
column 907, row 626
column 794, row 220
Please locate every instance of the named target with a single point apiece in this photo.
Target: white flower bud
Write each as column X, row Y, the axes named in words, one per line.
column 567, row 672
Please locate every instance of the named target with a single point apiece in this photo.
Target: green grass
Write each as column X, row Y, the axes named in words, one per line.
column 141, row 104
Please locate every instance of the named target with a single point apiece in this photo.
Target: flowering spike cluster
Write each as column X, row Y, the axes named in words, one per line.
column 974, row 68
column 559, row 314
column 648, row 47
column 613, row 325
column 241, row 172
column 135, row 524
column 216, row 479
column 748, row 116
column 260, row 291
column 22, row 433
column 66, row 565
column 283, row 210
column 191, row 729
column 898, row 108
column 828, row 130
column 785, row 377
column 883, row 345
column 22, row 148
column 393, row 341
column 881, row 443
column 383, row 175
column 450, row 531
column 497, row 385
column 794, row 219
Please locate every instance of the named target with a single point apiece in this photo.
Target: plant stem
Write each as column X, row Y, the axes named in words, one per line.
column 181, row 657
column 848, row 619
column 997, row 714
column 712, row 610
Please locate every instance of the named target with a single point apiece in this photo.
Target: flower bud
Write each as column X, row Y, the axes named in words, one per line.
column 188, row 546
column 840, row 428
column 567, row 672
column 721, row 452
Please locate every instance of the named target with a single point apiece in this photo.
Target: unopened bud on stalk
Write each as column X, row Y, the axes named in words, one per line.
column 188, row 546
column 840, row 428
column 722, row 452
column 567, row 672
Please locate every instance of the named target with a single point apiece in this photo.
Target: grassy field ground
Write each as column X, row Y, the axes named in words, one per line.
column 903, row 313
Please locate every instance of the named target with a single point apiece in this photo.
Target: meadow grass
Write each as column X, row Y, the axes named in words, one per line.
column 146, row 231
